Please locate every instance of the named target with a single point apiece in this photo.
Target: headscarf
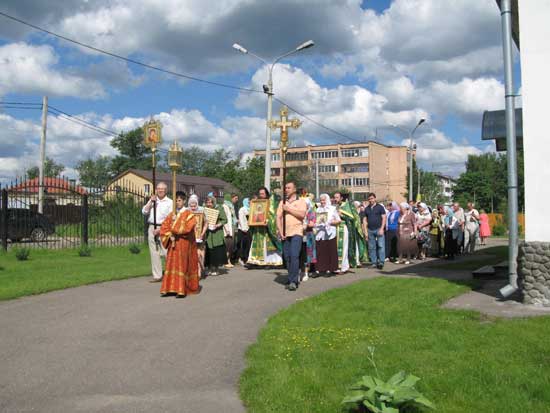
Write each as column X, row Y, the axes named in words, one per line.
column 193, row 198
column 246, row 204
column 328, row 203
column 423, row 205
column 404, row 205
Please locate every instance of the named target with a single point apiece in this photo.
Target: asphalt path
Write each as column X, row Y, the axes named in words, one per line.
column 119, row 347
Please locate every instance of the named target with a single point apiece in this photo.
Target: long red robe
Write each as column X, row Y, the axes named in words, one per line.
column 178, row 237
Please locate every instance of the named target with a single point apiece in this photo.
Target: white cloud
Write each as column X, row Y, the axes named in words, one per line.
column 25, row 68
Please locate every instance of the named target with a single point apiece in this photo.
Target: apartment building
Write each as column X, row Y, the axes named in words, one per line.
column 446, row 183
column 358, row 167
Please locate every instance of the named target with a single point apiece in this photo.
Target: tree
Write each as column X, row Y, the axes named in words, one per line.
column 132, row 152
column 51, row 169
column 251, row 176
column 430, row 189
column 485, row 182
column 94, row 172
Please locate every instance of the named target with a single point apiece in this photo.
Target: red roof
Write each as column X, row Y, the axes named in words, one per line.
column 52, row 186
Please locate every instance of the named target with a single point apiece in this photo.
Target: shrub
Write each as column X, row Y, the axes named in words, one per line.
column 85, row 251
column 22, row 254
column 499, row 230
column 134, row 249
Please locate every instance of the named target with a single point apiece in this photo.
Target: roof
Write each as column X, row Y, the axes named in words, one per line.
column 443, row 176
column 493, row 127
column 180, row 179
column 52, row 186
column 328, row 146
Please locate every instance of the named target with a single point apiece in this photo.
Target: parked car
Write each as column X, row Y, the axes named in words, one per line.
column 24, row 223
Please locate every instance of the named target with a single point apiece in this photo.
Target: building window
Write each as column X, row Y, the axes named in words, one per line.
column 275, row 171
column 330, row 183
column 147, row 189
column 346, row 182
column 296, row 156
column 324, row 154
column 276, row 157
column 360, row 181
column 328, row 168
column 357, row 167
column 355, row 153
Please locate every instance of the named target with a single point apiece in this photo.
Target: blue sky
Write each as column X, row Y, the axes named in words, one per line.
column 375, row 63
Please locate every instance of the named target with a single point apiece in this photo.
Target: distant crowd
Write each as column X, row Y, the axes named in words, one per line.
column 309, row 237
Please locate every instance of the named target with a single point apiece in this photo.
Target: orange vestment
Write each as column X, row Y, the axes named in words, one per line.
column 178, row 237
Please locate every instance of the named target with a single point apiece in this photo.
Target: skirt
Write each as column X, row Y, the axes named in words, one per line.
column 407, row 246
column 327, row 255
column 215, row 257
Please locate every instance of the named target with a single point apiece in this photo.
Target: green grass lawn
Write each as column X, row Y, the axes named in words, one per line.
column 48, row 270
column 309, row 354
column 486, row 256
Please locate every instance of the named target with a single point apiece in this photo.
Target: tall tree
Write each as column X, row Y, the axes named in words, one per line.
column 51, row 169
column 132, row 152
column 94, row 172
column 431, row 191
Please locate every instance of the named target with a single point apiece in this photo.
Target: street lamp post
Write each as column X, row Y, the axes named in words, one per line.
column 411, row 134
column 268, row 90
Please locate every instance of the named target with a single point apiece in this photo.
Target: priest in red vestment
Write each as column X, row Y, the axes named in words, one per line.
column 178, row 237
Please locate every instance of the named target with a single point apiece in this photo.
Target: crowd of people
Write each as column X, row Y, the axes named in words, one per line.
column 309, row 237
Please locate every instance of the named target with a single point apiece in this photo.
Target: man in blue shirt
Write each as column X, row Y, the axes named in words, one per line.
column 375, row 222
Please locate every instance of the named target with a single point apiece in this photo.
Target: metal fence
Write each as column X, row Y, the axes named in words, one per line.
column 68, row 215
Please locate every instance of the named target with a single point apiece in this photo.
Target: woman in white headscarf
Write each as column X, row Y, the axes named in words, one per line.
column 193, row 206
column 325, row 239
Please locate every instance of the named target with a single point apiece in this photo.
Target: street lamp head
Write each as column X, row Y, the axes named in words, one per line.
column 305, row 45
column 421, row 121
column 238, row 47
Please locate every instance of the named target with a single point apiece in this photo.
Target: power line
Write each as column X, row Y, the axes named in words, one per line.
column 76, row 119
column 127, row 59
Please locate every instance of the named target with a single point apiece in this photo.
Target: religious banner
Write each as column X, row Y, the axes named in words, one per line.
column 199, row 219
column 211, row 215
column 259, row 209
column 152, row 133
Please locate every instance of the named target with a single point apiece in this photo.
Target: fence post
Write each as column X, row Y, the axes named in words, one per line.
column 4, row 219
column 85, row 219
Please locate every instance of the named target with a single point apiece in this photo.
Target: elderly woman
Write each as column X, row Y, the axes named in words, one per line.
column 423, row 225
column 309, row 258
column 193, row 206
column 325, row 239
column 392, row 225
column 215, row 243
column 406, row 244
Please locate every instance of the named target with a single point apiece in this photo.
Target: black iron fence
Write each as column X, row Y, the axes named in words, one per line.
column 62, row 214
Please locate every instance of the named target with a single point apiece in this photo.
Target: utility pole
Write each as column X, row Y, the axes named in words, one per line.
column 317, row 179
column 42, row 155
column 418, row 193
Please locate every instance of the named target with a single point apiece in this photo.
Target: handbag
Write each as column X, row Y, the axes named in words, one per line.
column 421, row 237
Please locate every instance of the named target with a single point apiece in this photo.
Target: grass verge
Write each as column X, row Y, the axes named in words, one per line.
column 48, row 270
column 309, row 354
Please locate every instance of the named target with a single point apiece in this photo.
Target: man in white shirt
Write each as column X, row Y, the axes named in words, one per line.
column 163, row 209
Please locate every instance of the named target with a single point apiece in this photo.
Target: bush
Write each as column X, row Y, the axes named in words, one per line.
column 85, row 251
column 22, row 254
column 134, row 249
column 499, row 230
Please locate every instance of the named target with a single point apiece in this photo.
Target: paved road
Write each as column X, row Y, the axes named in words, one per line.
column 118, row 347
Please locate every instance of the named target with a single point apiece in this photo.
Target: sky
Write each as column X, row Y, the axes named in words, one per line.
column 375, row 63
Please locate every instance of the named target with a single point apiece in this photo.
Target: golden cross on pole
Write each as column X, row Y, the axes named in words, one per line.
column 283, row 124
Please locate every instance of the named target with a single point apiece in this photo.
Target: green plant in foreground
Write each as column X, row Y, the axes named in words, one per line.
column 398, row 394
column 22, row 254
column 85, row 251
column 134, row 248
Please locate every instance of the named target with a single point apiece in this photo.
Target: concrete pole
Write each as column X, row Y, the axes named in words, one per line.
column 317, row 194
column 267, row 176
column 410, row 167
column 506, row 19
column 42, row 155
